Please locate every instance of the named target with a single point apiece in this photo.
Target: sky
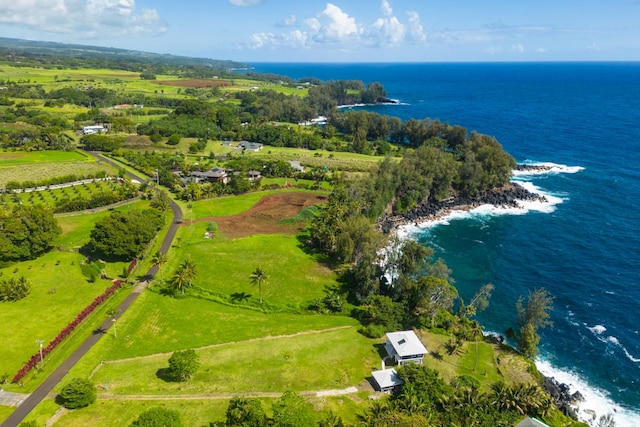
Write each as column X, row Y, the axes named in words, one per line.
column 254, row 31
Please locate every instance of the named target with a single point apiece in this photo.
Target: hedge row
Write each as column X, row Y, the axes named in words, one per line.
column 35, row 359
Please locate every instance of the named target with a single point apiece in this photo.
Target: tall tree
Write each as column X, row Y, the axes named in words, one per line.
column 184, row 276
column 533, row 316
column 476, row 332
column 159, row 259
column 259, row 277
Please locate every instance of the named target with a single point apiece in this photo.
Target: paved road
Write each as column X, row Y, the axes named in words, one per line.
column 56, row 376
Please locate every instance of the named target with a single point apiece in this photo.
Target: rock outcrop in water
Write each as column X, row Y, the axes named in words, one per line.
column 506, row 197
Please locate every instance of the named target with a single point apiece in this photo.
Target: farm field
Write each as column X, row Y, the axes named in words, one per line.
column 39, row 165
column 53, row 196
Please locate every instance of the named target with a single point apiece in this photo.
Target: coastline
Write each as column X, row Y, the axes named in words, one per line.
column 510, row 196
column 575, row 397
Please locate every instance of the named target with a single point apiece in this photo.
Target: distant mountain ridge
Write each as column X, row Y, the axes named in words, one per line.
column 43, row 52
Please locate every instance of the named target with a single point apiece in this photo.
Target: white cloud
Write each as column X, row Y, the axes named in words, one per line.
column 244, row 3
column 541, row 50
column 289, row 21
column 295, row 38
column 261, row 40
column 517, row 48
column 88, row 19
column 340, row 25
column 386, row 8
column 336, row 27
column 415, row 27
column 388, row 31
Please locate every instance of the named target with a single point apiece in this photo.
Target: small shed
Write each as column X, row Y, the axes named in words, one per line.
column 531, row 422
column 386, row 379
column 405, row 347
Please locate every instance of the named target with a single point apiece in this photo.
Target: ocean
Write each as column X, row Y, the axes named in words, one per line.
column 583, row 120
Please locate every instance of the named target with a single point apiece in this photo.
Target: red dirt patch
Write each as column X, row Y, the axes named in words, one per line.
column 264, row 216
column 195, row 83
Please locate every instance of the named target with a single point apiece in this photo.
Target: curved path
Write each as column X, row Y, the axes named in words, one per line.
column 56, row 376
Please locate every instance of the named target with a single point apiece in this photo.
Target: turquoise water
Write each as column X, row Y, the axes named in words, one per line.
column 585, row 248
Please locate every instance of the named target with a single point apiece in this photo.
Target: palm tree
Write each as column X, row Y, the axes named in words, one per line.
column 184, row 276
column 476, row 331
column 258, row 277
column 158, row 260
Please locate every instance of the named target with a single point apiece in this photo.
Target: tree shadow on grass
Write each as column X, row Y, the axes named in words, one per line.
column 166, row 375
column 240, row 297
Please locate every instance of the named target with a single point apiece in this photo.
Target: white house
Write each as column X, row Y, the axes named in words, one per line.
column 386, row 379
column 405, row 347
column 531, row 422
column 89, row 130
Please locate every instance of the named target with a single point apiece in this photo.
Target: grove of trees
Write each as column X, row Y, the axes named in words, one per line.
column 26, row 232
column 125, row 235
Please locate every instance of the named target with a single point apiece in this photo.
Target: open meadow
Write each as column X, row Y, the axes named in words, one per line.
column 59, row 291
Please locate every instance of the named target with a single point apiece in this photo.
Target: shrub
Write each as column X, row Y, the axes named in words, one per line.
column 174, row 139
column 183, row 364
column 78, row 393
column 158, row 417
column 14, row 289
column 373, row 331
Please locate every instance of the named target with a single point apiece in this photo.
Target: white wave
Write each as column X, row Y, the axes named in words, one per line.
column 546, row 168
column 479, row 212
column 630, row 357
column 598, row 329
column 595, row 400
column 617, row 343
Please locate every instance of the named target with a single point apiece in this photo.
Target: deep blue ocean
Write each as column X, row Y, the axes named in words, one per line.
column 585, row 247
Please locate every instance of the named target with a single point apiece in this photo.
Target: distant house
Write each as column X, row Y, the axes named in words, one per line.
column 386, row 379
column 121, row 106
column 250, row 146
column 212, row 175
column 405, row 347
column 254, row 175
column 296, row 165
column 90, row 130
column 531, row 422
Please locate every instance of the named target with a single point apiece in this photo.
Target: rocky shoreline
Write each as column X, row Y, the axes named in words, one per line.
column 566, row 401
column 506, row 197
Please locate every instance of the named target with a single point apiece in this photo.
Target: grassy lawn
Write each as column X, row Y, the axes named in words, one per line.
column 495, row 363
column 117, row 413
column 160, row 324
column 324, row 360
column 59, row 292
column 14, row 158
column 5, row 411
column 224, row 266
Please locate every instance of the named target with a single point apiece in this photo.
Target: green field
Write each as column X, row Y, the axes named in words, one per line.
column 224, row 266
column 39, row 165
column 59, row 292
